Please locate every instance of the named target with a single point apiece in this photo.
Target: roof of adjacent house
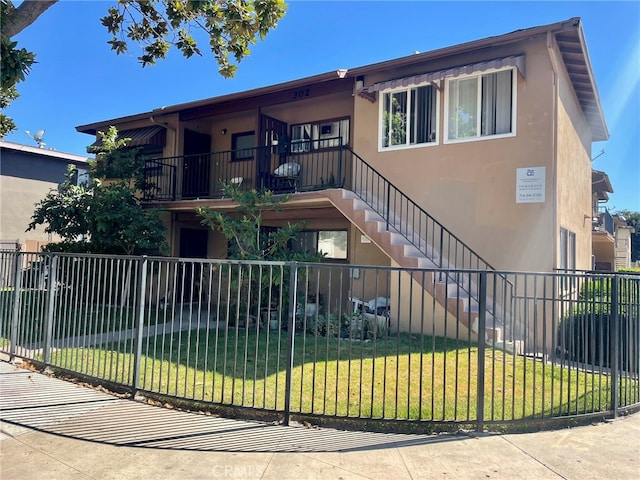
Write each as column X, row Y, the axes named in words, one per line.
column 46, row 152
column 600, row 184
column 568, row 35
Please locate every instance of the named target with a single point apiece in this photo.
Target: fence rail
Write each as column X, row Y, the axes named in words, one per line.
column 332, row 341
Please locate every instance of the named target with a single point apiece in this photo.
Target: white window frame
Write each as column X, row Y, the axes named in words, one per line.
column 478, row 76
column 407, row 144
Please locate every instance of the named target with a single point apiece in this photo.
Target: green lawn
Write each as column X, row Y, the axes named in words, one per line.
column 405, row 377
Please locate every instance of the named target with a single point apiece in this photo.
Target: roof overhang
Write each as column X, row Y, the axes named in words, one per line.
column 511, row 61
column 569, row 37
column 601, row 185
column 138, row 137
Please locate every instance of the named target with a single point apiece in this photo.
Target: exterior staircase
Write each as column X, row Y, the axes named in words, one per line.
column 387, row 217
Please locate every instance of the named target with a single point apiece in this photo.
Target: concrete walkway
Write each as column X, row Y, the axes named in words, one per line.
column 59, row 430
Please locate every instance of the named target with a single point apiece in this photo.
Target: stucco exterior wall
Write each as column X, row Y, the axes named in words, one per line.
column 25, row 179
column 470, row 187
column 573, row 184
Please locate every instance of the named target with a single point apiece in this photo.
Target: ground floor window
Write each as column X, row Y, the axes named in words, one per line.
column 567, row 252
column 332, row 243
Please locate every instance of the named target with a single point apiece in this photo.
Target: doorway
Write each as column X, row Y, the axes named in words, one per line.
column 273, row 133
column 197, row 164
column 193, row 244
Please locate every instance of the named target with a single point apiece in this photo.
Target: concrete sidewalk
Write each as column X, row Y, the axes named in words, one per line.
column 58, row 430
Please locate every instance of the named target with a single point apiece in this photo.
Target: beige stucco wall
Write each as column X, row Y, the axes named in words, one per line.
column 573, row 192
column 470, row 186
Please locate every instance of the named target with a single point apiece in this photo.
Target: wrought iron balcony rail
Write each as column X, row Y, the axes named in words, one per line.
column 303, row 166
column 603, row 221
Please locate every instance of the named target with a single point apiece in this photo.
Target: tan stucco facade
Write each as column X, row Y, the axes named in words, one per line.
column 471, row 186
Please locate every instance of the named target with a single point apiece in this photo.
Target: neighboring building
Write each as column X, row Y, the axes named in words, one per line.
column 611, row 234
column 27, row 174
column 474, row 155
column 623, row 242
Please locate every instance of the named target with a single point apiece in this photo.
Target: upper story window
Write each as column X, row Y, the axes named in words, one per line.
column 324, row 134
column 242, row 145
column 481, row 105
column 409, row 117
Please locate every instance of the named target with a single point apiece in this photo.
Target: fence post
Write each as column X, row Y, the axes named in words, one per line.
column 388, row 207
column 174, row 181
column 615, row 345
column 441, row 245
column 140, row 297
column 15, row 314
column 482, row 322
column 51, row 295
column 340, row 183
column 291, row 327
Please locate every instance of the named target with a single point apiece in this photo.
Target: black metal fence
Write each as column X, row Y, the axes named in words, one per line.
column 333, row 341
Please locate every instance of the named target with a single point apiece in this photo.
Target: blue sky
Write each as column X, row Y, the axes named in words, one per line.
column 79, row 80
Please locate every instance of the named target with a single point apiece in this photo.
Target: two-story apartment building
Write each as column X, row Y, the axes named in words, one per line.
column 468, row 156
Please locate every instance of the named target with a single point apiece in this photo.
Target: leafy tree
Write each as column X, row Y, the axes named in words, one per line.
column 633, row 220
column 7, row 125
column 248, row 240
column 155, row 26
column 103, row 216
column 244, row 227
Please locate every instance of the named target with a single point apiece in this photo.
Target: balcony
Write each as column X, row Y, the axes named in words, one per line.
column 603, row 221
column 306, row 166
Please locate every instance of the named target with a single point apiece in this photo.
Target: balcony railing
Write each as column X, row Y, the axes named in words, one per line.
column 603, row 221
column 306, row 166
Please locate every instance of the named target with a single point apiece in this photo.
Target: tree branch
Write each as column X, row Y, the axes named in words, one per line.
column 25, row 15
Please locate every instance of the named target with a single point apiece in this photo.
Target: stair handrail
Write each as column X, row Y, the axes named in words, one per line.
column 388, row 189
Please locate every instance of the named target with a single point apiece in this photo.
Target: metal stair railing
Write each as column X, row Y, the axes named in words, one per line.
column 425, row 233
column 429, row 236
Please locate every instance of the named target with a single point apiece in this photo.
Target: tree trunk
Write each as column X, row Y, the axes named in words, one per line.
column 25, row 15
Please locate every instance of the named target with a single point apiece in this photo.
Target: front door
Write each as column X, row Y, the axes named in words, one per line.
column 193, row 244
column 197, row 164
column 274, row 140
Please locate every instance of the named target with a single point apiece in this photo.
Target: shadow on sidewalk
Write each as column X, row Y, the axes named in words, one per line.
column 35, row 401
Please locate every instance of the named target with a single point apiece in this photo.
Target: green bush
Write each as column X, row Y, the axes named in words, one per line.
column 585, row 334
column 588, row 338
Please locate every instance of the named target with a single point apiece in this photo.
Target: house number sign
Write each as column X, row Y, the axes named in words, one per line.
column 298, row 94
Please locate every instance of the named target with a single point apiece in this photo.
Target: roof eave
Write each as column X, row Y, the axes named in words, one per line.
column 599, row 131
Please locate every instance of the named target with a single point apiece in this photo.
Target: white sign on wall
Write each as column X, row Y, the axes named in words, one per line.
column 530, row 184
